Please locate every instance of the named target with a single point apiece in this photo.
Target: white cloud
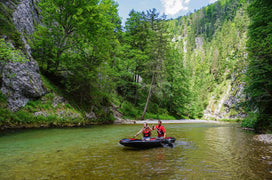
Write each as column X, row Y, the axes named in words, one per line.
column 212, row 1
column 172, row 7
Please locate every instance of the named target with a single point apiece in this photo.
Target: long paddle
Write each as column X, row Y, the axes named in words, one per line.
column 164, row 141
column 156, row 129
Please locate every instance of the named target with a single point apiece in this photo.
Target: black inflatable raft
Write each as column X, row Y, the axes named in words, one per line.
column 153, row 142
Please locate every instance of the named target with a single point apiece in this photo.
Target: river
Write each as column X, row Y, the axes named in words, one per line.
column 201, row 151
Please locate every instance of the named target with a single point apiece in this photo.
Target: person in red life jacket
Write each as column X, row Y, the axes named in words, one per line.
column 160, row 130
column 146, row 130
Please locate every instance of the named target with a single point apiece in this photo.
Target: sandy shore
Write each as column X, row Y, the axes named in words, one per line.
column 176, row 121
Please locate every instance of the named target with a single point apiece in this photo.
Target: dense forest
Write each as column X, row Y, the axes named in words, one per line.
column 152, row 67
column 258, row 74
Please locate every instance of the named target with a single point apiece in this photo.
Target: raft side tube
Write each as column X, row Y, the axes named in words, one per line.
column 153, row 142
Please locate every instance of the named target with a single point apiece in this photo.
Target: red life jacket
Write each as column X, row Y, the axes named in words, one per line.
column 160, row 130
column 146, row 133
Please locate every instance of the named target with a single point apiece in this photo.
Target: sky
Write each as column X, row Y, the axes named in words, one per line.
column 172, row 8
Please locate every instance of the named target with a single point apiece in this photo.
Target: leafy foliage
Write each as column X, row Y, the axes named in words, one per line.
column 211, row 45
column 7, row 28
column 156, row 68
column 148, row 68
column 10, row 54
column 74, row 46
column 259, row 71
column 250, row 121
column 91, row 56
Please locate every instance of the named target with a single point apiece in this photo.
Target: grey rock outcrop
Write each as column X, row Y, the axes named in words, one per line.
column 24, row 16
column 227, row 107
column 20, row 83
column 90, row 115
column 199, row 42
column 265, row 138
column 236, row 97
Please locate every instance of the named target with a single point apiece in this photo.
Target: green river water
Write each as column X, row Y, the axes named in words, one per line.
column 201, row 151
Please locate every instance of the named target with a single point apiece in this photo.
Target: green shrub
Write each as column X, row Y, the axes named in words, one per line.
column 129, row 110
column 50, row 96
column 250, row 121
column 40, row 119
column 153, row 108
column 159, row 116
column 15, row 118
column 167, row 117
column 230, row 120
column 7, row 53
column 68, row 106
column 3, row 97
column 162, row 111
column 2, row 119
column 151, row 116
column 184, row 117
column 52, row 118
column 33, row 103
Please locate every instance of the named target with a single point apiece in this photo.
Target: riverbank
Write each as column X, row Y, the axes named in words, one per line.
column 46, row 125
column 154, row 121
column 177, row 121
column 85, row 124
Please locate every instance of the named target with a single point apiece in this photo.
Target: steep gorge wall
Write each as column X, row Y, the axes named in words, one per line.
column 228, row 104
column 21, row 82
column 216, row 62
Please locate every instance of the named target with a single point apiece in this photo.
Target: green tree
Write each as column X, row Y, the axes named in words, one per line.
column 176, row 89
column 157, row 47
column 136, row 40
column 259, row 71
column 76, row 43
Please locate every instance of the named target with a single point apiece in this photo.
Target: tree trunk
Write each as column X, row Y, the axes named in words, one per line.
column 57, row 62
column 136, row 90
column 149, row 95
column 113, row 62
column 50, row 66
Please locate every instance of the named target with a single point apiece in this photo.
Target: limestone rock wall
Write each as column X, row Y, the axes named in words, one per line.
column 228, row 105
column 21, row 81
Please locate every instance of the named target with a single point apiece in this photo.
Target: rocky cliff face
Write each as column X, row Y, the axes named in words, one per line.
column 227, row 106
column 24, row 17
column 21, row 81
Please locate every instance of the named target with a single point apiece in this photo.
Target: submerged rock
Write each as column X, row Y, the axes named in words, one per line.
column 265, row 138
